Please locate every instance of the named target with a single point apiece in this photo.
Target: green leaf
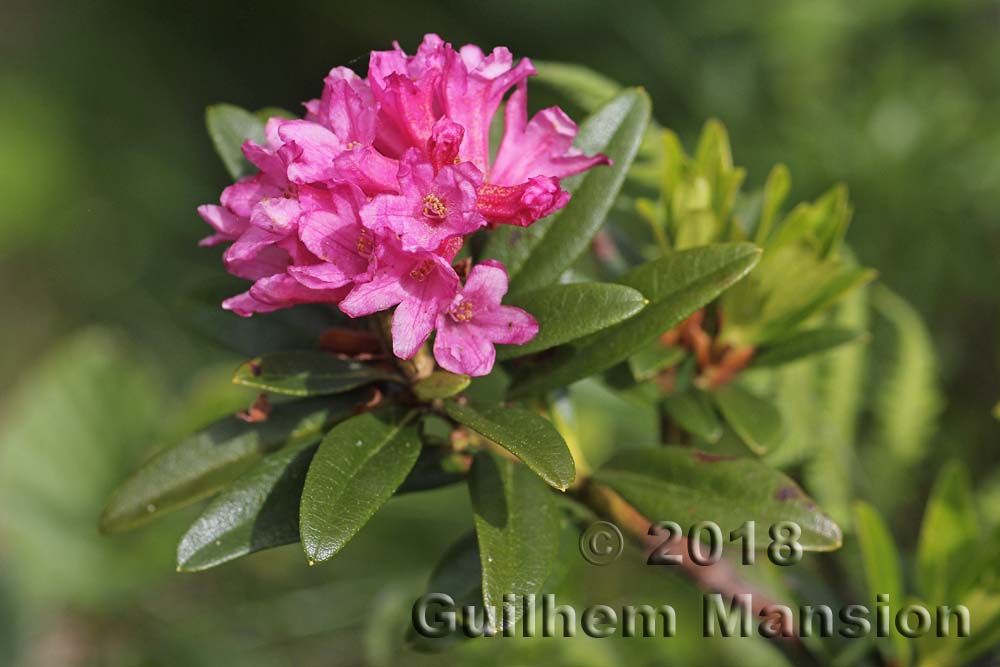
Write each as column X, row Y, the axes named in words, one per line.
column 581, row 85
column 229, row 126
column 882, row 574
column 359, row 465
column 259, row 511
column 459, row 575
column 435, row 467
column 837, row 282
column 757, row 421
column 536, row 256
column 569, row 312
column 713, row 160
column 207, row 461
column 440, row 384
column 948, row 536
column 791, row 286
column 518, row 529
column 820, row 225
column 458, row 572
column 804, row 344
column 908, row 399
column 528, row 436
column 686, row 485
column 694, row 413
column 676, row 286
column 776, row 189
column 267, row 113
column 307, row 373
column 822, row 414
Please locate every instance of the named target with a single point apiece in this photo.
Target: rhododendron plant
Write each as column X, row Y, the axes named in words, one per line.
column 366, row 201
column 465, row 285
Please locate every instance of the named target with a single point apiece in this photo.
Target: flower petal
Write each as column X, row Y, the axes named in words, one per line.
column 460, row 347
column 309, row 150
column 486, row 285
column 540, row 147
column 226, row 224
column 507, row 324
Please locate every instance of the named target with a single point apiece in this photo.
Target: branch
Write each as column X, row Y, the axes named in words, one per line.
column 720, row 578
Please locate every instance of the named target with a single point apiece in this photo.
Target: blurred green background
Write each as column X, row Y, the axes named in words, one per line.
column 103, row 159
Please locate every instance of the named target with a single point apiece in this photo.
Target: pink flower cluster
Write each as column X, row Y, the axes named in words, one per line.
column 366, row 201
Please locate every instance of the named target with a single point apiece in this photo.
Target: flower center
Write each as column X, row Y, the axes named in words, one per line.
column 365, row 244
column 462, row 312
column 434, row 207
column 422, row 270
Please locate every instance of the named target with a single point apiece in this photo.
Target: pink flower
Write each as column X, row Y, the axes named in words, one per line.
column 473, row 87
column 406, row 89
column 277, row 292
column 335, row 236
column 542, row 146
column 432, row 207
column 522, row 204
column 523, row 183
column 238, row 200
column 366, row 201
column 474, row 320
column 420, row 285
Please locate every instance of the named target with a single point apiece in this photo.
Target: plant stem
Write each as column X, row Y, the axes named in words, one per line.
column 720, row 577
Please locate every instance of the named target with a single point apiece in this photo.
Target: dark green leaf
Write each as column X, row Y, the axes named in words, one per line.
column 459, row 575
column 694, row 413
column 686, row 485
column 569, row 312
column 307, row 373
column 948, row 536
column 757, row 421
column 882, row 573
column 526, row 435
column 440, row 384
column 259, row 511
column 676, row 286
column 536, row 256
column 804, row 344
column 517, row 525
column 435, row 467
column 229, row 126
column 359, row 465
column 210, row 459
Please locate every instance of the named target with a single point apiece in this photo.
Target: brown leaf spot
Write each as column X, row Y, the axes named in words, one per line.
column 706, row 457
column 788, row 493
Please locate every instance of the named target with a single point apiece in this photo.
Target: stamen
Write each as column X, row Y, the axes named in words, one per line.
column 434, row 207
column 365, row 244
column 422, row 270
column 462, row 312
